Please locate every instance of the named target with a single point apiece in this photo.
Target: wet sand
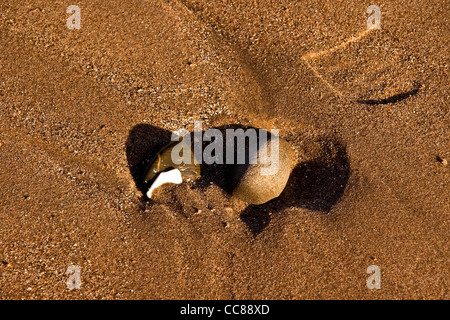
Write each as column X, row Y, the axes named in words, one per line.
column 366, row 112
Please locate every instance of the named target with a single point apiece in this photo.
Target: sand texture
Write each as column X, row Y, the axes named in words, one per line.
column 366, row 113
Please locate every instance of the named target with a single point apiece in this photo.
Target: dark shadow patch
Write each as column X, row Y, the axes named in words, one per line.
column 145, row 141
column 226, row 176
column 316, row 184
column 394, row 98
column 142, row 144
column 255, row 219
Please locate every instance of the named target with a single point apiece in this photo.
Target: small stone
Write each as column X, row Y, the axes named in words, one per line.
column 229, row 211
column 443, row 161
column 259, row 183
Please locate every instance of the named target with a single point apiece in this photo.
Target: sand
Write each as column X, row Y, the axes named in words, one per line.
column 366, row 112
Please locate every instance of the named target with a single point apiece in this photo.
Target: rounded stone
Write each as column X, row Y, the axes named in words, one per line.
column 259, row 183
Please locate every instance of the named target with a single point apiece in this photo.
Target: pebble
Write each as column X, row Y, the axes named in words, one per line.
column 163, row 161
column 256, row 188
column 229, row 211
column 443, row 161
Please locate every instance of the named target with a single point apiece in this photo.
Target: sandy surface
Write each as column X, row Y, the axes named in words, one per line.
column 367, row 113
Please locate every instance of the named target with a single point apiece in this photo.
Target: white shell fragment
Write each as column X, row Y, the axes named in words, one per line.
column 171, row 176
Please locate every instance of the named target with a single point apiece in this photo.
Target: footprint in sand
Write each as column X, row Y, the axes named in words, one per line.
column 369, row 68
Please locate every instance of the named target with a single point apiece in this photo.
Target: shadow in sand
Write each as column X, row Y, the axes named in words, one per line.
column 316, row 184
column 144, row 141
column 394, row 98
column 142, row 144
column 226, row 176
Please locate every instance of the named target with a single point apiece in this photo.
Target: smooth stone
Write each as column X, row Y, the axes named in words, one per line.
column 254, row 187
